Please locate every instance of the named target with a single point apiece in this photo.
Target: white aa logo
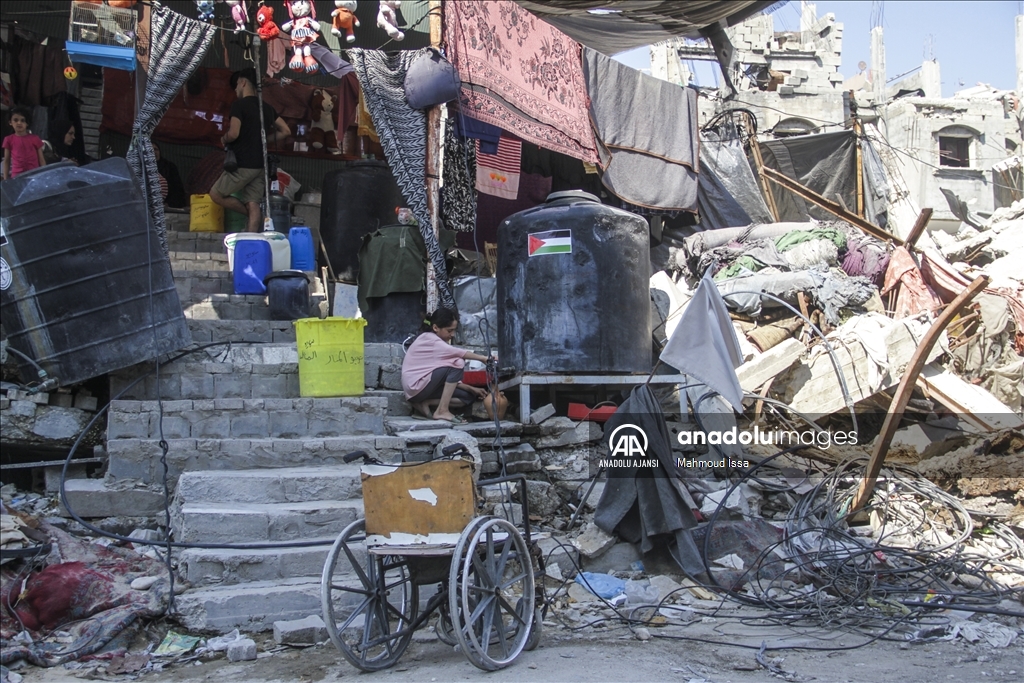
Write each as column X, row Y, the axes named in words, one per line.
column 629, row 444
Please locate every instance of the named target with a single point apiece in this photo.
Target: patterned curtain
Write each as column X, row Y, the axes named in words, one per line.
column 177, row 46
column 403, row 135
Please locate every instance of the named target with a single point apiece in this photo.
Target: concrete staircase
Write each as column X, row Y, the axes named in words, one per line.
column 249, row 461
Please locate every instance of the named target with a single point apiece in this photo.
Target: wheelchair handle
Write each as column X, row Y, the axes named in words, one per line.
column 355, row 455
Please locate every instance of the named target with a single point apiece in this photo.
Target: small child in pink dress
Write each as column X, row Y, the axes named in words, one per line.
column 23, row 151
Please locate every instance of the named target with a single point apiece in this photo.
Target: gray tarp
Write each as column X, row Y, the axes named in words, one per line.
column 643, row 505
column 826, row 164
column 633, row 24
column 728, row 195
column 647, row 134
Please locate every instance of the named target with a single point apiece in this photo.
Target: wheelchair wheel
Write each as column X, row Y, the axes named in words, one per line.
column 491, row 593
column 369, row 601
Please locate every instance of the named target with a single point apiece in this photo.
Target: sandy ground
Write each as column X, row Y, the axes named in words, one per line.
column 613, row 653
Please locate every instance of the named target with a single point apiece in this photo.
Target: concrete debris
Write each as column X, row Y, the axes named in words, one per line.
column 300, row 632
column 242, row 650
column 544, row 412
column 594, row 541
column 743, row 501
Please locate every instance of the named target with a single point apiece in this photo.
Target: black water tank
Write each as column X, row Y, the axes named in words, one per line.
column 86, row 288
column 573, row 288
column 357, row 198
column 287, row 294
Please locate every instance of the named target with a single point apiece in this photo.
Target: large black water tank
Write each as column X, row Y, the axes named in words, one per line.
column 357, row 198
column 581, row 311
column 86, row 288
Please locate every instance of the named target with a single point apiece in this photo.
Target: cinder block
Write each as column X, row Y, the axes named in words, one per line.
column 288, row 424
column 230, row 386
column 242, row 650
column 249, row 426
column 300, row 632
column 91, row 498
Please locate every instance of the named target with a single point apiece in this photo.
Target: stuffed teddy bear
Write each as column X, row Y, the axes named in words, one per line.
column 388, row 20
column 265, row 26
column 240, row 13
column 321, row 134
column 204, row 9
column 302, row 25
column 344, row 18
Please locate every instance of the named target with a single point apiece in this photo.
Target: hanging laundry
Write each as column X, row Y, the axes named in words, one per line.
column 485, row 133
column 647, row 130
column 521, row 74
column 498, row 174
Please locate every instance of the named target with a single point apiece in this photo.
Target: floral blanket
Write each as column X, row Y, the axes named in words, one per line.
column 520, row 74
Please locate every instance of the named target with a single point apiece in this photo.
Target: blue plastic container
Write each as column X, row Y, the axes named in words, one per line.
column 303, row 255
column 253, row 262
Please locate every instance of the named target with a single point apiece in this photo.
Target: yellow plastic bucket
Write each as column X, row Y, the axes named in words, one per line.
column 205, row 215
column 330, row 356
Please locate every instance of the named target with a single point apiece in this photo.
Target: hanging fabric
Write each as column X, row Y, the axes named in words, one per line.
column 177, row 48
column 403, row 135
column 520, row 74
column 458, row 193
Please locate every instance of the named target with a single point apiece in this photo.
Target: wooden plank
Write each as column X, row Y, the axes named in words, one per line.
column 906, row 388
column 755, row 150
column 433, row 163
column 919, row 225
column 858, row 132
column 969, row 401
column 436, row 497
column 832, row 207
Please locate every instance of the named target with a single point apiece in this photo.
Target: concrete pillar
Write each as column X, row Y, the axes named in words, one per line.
column 931, row 81
column 878, row 63
column 808, row 15
column 666, row 65
column 1020, row 54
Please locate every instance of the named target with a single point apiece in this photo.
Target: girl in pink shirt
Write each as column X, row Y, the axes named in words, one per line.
column 23, row 151
column 432, row 370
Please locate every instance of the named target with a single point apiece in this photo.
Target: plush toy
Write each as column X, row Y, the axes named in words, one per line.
column 344, row 18
column 388, row 20
column 205, row 10
column 265, row 26
column 240, row 13
column 302, row 26
column 321, row 133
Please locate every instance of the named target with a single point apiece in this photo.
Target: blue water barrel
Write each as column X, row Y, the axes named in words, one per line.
column 303, row 255
column 85, row 287
column 253, row 262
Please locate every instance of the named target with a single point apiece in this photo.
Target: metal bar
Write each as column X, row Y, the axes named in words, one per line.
column 906, row 387
column 433, row 162
column 858, row 157
column 830, row 206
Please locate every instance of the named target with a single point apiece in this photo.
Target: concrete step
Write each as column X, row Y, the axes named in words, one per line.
column 139, row 459
column 229, row 567
column 227, row 307
column 264, row 522
column 199, row 283
column 270, row 418
column 252, row 331
column 249, row 607
column 194, row 242
column 277, row 485
column 251, row 370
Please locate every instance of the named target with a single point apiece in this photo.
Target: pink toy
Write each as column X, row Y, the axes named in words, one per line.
column 302, row 26
column 388, row 20
column 240, row 13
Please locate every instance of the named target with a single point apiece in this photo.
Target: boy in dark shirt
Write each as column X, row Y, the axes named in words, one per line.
column 249, row 180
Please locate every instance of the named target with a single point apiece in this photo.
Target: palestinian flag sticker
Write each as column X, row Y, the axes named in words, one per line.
column 551, row 242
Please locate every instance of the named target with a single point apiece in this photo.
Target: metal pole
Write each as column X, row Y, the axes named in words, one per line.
column 268, row 222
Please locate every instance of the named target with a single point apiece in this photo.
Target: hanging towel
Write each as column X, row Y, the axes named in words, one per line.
column 647, row 130
column 704, row 344
column 521, row 74
column 498, row 174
